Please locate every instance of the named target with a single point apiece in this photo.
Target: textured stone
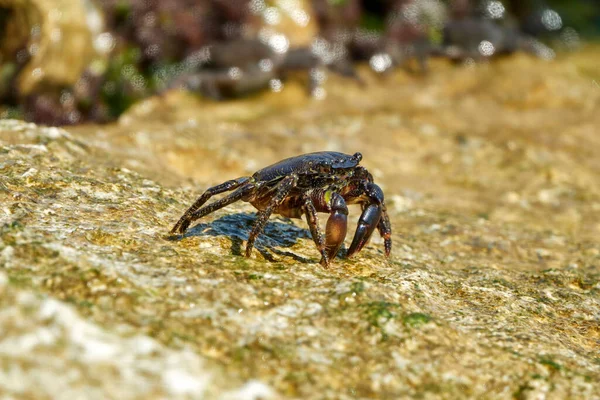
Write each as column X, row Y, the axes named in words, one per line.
column 492, row 290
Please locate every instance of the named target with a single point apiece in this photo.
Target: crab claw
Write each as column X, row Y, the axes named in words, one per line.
column 336, row 228
column 335, row 233
column 366, row 225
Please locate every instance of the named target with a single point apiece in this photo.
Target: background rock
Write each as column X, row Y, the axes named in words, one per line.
column 57, row 36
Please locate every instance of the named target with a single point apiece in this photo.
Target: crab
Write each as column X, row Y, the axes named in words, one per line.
column 306, row 185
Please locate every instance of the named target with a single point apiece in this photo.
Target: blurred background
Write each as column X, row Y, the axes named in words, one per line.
column 65, row 62
column 478, row 119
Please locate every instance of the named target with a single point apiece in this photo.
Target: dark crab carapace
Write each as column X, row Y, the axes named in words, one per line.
column 305, row 185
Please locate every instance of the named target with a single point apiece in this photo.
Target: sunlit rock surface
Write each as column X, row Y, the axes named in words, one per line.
column 491, row 174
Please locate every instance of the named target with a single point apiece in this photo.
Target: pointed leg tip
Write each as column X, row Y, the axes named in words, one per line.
column 179, row 228
column 388, row 248
column 325, row 261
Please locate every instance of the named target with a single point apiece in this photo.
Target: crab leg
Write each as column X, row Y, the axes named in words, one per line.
column 337, row 224
column 313, row 223
column 370, row 218
column 195, row 211
column 282, row 190
column 385, row 230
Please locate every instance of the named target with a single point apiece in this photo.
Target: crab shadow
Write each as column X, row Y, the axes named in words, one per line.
column 278, row 233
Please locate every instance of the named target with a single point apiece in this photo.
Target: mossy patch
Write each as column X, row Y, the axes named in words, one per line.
column 416, row 320
column 550, row 363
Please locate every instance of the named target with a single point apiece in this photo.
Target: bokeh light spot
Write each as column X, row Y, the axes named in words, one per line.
column 551, row 20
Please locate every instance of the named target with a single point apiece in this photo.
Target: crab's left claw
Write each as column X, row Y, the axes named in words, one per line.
column 366, row 225
column 337, row 225
column 369, row 219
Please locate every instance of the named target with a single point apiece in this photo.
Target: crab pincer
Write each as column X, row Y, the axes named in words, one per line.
column 369, row 219
column 336, row 228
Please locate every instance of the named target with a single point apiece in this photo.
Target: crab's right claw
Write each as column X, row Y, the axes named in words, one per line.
column 366, row 225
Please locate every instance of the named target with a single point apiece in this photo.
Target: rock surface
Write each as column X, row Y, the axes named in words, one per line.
column 492, row 291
